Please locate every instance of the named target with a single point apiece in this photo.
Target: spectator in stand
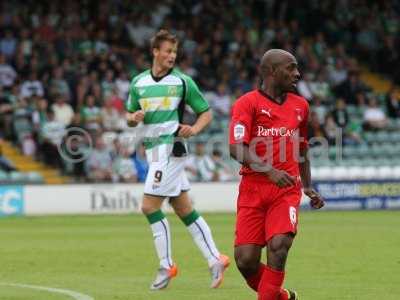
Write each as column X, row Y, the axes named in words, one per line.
column 319, row 109
column 6, row 114
column 122, row 85
column 63, row 112
column 338, row 73
column 220, row 101
column 374, row 116
column 124, row 167
column 332, row 130
column 58, row 85
column 7, row 73
column 99, row 162
column 315, row 128
column 350, row 88
column 392, row 100
column 39, row 115
column 32, row 87
column 110, row 117
column 108, row 84
column 320, row 87
column 201, row 166
column 304, row 86
column 8, row 44
column 225, row 172
column 340, row 114
column 91, row 114
column 52, row 134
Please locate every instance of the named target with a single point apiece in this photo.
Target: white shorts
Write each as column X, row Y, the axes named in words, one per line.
column 167, row 177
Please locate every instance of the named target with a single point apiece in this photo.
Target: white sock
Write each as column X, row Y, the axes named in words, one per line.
column 162, row 242
column 202, row 236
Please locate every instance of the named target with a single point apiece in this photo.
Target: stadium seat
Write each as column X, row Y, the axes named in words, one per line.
column 34, row 177
column 16, row 177
column 3, row 177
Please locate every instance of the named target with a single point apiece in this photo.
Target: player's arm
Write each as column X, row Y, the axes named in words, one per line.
column 240, row 129
column 305, row 170
column 242, row 154
column 196, row 100
column 134, row 114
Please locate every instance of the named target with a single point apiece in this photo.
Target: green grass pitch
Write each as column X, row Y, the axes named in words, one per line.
column 337, row 256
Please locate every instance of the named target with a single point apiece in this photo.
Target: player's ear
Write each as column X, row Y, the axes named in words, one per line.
column 155, row 52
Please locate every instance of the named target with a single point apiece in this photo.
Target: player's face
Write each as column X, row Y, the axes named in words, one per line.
column 165, row 56
column 288, row 75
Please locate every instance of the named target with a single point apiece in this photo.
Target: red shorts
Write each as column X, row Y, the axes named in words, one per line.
column 265, row 210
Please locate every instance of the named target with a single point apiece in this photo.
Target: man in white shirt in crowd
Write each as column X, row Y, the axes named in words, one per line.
column 63, row 112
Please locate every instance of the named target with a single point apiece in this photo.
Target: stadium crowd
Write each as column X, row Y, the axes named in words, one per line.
column 68, row 65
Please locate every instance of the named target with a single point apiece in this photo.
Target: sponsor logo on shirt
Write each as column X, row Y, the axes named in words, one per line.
column 238, row 131
column 266, row 112
column 281, row 131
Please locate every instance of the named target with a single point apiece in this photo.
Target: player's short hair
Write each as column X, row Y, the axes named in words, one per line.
column 160, row 37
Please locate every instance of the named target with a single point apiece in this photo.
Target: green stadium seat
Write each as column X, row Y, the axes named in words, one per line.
column 17, row 177
column 3, row 177
column 34, row 177
column 382, row 137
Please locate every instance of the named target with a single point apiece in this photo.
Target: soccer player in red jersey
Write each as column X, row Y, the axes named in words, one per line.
column 268, row 134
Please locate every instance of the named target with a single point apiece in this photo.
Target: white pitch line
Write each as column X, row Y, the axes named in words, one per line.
column 73, row 294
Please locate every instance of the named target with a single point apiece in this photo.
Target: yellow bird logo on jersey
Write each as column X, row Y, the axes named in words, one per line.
column 166, row 103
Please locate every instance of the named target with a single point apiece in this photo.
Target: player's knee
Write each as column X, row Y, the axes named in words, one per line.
column 246, row 262
column 148, row 209
column 279, row 246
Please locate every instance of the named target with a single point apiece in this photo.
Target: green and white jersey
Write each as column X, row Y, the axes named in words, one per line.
column 162, row 100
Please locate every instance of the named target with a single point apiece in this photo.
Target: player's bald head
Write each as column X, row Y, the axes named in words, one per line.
column 274, row 58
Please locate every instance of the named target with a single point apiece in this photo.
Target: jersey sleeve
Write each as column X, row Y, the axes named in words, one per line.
column 132, row 104
column 303, row 128
column 240, row 126
column 194, row 98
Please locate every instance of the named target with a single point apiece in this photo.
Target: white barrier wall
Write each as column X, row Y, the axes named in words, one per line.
column 207, row 197
column 104, row 198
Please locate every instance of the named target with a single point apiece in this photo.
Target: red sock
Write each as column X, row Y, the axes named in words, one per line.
column 270, row 285
column 254, row 280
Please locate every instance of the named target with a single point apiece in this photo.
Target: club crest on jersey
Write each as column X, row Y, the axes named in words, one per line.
column 292, row 215
column 172, row 91
column 299, row 117
column 238, row 131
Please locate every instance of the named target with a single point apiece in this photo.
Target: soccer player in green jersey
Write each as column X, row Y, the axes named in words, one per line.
column 157, row 97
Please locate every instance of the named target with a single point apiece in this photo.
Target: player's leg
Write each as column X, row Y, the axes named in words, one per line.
column 202, row 236
column 248, row 262
column 151, row 208
column 281, row 227
column 250, row 232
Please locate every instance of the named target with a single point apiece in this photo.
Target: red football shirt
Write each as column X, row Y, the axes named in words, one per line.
column 274, row 131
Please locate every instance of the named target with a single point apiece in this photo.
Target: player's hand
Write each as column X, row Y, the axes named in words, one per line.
column 186, row 131
column 316, row 201
column 137, row 116
column 281, row 178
